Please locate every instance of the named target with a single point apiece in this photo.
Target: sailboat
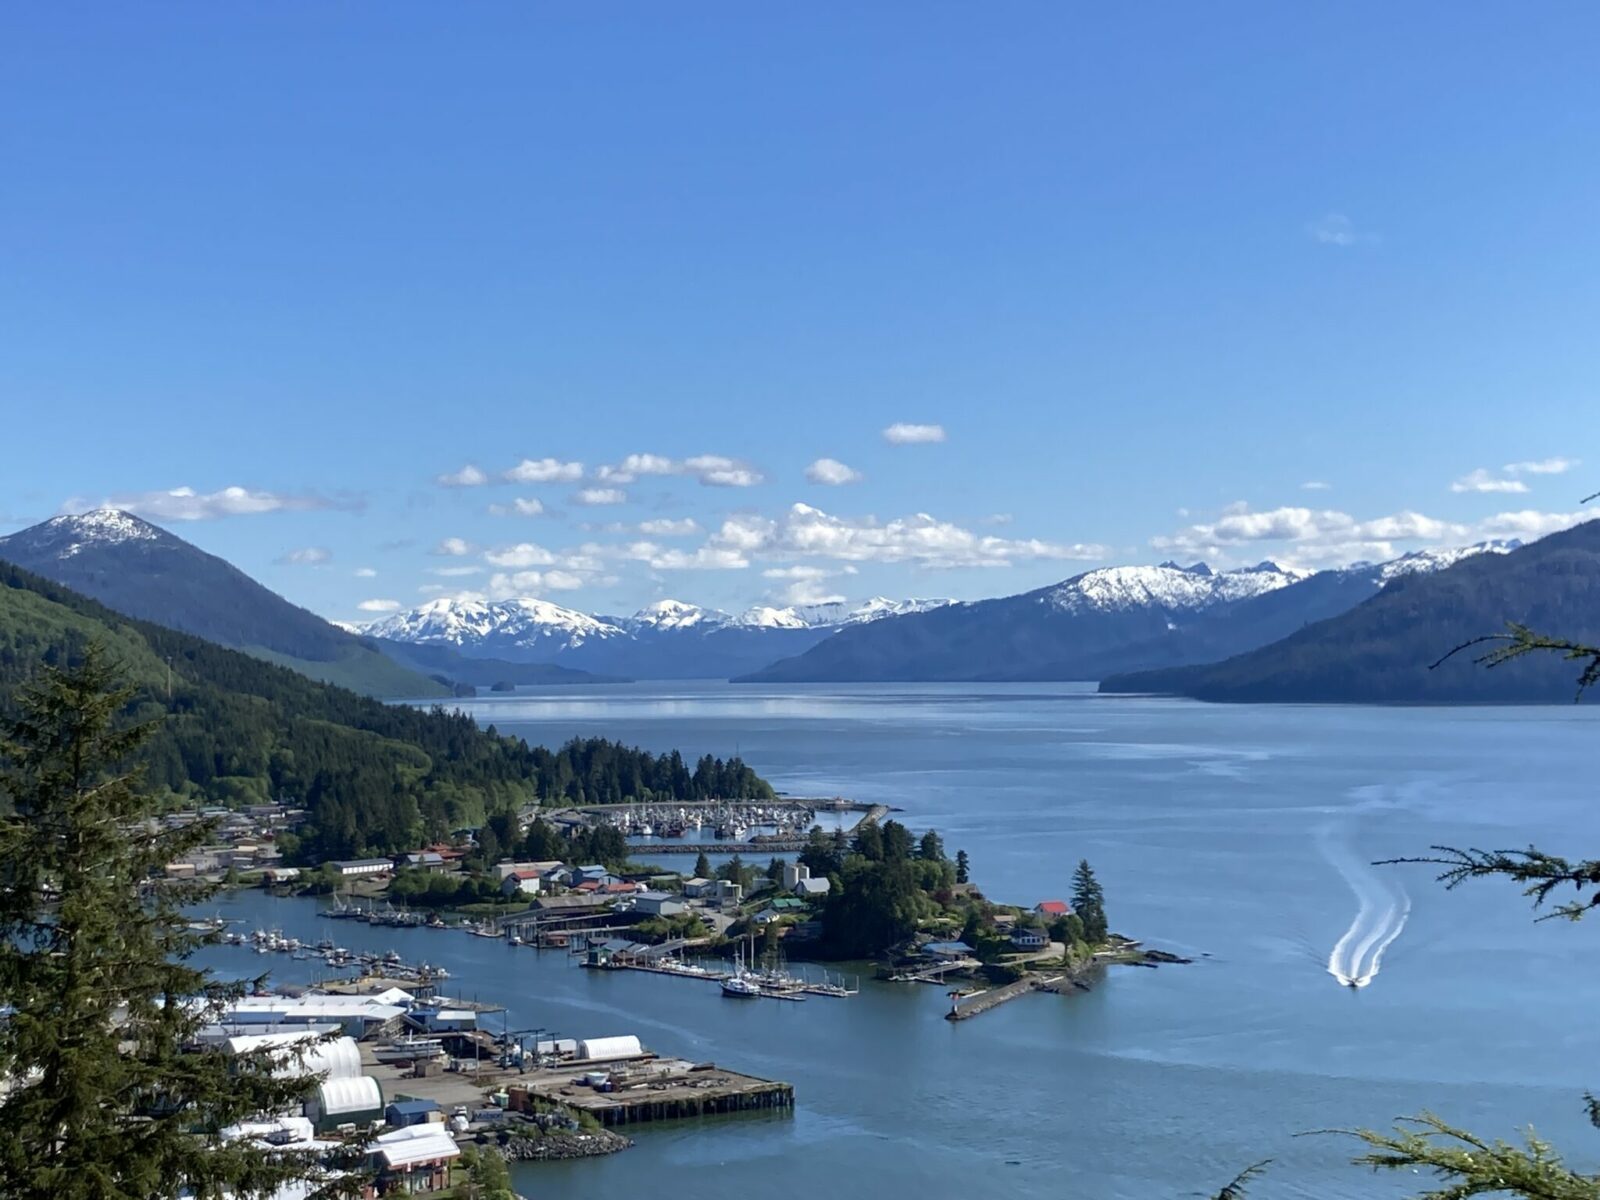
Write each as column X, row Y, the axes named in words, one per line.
column 740, row 985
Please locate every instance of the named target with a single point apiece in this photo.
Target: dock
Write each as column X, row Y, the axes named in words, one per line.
column 657, row 1090
column 636, row 1089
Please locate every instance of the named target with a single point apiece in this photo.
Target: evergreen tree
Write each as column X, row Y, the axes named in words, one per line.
column 702, row 866
column 869, row 841
column 543, row 843
column 106, row 1102
column 775, row 869
column 896, row 842
column 1088, row 902
column 931, row 848
column 963, row 867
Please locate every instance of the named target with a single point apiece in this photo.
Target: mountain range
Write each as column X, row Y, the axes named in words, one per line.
column 1262, row 632
column 142, row 571
column 669, row 639
column 1111, row 620
column 1383, row 649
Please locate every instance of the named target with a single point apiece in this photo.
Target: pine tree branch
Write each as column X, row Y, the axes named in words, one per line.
column 1468, row 1166
column 1541, row 872
column 1520, row 642
column 1234, row 1189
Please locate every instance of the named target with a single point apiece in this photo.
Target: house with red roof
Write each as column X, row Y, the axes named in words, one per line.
column 1053, row 908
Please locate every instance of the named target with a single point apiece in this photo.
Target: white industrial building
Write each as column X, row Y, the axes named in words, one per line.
column 336, row 1102
column 601, row 1049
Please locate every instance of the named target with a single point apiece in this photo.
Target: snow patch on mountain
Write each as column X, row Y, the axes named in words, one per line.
column 1423, row 562
column 672, row 615
column 832, row 616
column 1169, row 586
column 69, row 535
column 521, row 622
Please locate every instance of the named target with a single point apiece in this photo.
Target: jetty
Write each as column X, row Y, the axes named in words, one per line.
column 977, row 1003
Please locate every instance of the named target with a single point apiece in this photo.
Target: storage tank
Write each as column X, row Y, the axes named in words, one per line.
column 610, row 1047
column 357, row 1101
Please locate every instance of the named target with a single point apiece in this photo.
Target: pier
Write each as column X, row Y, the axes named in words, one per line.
column 659, row 1090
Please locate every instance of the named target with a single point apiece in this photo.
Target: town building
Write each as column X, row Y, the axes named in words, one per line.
column 351, row 868
column 659, row 904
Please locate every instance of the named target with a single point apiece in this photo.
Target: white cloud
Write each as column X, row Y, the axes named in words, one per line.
column 379, row 606
column 364, row 573
column 186, row 504
column 467, row 476
column 1328, row 537
column 902, row 433
column 524, row 554
column 598, row 496
column 453, row 547
column 706, row 558
column 544, row 470
column 1315, row 485
column 712, row 470
column 506, row 585
column 1336, row 229
column 804, row 531
column 1531, row 524
column 798, row 572
column 308, row 556
column 520, row 507
column 635, row 465
column 1543, row 466
column 666, row 527
column 454, row 572
column 1483, row 481
column 832, row 472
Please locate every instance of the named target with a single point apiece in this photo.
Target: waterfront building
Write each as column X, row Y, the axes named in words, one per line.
column 351, row 868
column 659, row 904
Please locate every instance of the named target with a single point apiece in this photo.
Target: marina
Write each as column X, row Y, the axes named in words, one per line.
column 720, row 826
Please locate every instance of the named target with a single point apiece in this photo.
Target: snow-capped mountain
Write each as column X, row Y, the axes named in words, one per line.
column 1118, row 589
column 66, row 536
column 487, row 627
column 1101, row 622
column 832, row 616
column 1422, row 562
column 1386, row 650
column 669, row 639
column 143, row 571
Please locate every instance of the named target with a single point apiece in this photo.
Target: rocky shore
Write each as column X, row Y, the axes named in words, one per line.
column 517, row 1145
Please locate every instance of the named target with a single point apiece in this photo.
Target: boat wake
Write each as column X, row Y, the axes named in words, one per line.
column 1382, row 909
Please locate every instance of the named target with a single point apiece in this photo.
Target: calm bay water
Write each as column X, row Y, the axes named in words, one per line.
column 1240, row 835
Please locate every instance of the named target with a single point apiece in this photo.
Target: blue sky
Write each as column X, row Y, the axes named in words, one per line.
column 1148, row 272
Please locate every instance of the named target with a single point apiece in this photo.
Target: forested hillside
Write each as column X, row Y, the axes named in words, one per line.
column 1380, row 651
column 375, row 777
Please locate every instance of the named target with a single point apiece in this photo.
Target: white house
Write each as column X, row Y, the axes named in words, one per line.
column 523, row 883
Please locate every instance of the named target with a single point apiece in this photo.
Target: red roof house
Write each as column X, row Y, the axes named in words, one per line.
column 1053, row 908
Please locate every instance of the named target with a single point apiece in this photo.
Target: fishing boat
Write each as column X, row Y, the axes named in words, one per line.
column 741, row 985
